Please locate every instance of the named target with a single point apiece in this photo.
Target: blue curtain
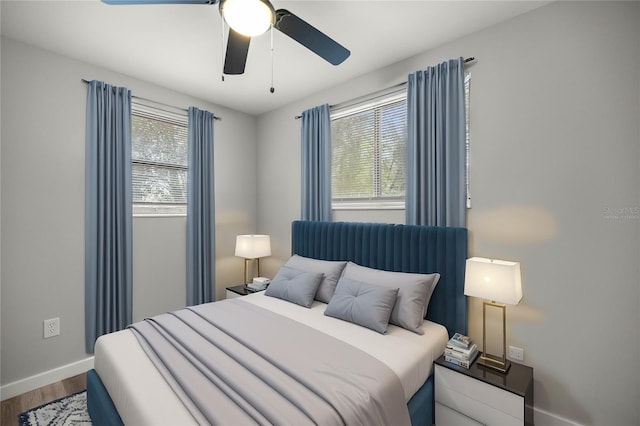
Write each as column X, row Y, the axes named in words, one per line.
column 200, row 210
column 108, row 255
column 316, row 164
column 436, row 153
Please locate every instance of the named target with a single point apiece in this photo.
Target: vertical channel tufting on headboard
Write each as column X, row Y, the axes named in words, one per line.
column 401, row 248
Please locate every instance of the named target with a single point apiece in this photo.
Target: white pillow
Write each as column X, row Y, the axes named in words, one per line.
column 414, row 292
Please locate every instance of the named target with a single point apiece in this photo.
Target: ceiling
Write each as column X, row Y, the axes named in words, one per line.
column 180, row 46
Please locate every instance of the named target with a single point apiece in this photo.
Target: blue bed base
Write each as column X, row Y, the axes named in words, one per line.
column 405, row 248
column 99, row 403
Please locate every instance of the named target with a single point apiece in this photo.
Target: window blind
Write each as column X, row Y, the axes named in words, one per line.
column 369, row 150
column 159, row 156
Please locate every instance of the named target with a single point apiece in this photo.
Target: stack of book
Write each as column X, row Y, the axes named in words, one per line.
column 461, row 351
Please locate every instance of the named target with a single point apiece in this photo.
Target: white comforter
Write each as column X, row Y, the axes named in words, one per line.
column 143, row 397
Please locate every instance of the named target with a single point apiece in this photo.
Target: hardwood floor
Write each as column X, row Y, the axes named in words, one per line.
column 12, row 407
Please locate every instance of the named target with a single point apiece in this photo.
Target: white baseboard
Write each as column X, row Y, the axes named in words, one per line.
column 46, row 378
column 545, row 418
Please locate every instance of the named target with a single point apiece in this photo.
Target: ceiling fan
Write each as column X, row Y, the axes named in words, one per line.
column 251, row 18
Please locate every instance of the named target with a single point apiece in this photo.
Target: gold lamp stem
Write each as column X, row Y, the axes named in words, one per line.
column 499, row 363
column 246, row 279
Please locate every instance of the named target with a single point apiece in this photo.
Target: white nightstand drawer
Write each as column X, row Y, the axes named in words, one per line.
column 231, row 295
column 474, row 398
column 445, row 416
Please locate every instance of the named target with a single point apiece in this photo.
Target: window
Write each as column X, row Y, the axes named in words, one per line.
column 467, row 101
column 159, row 160
column 368, row 153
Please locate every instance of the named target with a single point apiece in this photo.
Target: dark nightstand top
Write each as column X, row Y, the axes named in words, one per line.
column 242, row 290
column 517, row 380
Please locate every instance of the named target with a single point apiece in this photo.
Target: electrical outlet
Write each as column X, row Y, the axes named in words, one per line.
column 51, row 327
column 516, row 354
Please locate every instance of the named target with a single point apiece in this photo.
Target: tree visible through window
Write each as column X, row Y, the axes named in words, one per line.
column 159, row 161
column 369, row 152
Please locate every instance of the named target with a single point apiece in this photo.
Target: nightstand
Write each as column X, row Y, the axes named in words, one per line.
column 480, row 395
column 238, row 291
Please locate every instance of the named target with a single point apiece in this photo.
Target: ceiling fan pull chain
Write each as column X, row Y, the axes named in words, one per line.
column 222, row 47
column 272, row 89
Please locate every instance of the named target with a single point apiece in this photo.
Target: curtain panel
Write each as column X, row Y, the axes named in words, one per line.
column 108, row 216
column 316, row 164
column 436, row 153
column 200, row 209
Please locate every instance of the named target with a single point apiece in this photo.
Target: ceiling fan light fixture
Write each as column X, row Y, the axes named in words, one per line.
column 248, row 17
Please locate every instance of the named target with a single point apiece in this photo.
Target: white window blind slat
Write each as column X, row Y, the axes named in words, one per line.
column 158, row 184
column 368, row 150
column 159, row 156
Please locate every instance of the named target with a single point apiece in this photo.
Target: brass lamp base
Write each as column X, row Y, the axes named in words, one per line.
column 247, row 280
column 500, row 364
column 495, row 363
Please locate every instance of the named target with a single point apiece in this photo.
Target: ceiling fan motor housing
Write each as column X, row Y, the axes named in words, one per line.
column 248, row 17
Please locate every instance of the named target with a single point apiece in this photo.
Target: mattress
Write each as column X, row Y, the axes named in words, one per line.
column 142, row 396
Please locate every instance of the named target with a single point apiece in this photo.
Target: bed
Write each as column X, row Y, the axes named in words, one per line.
column 125, row 386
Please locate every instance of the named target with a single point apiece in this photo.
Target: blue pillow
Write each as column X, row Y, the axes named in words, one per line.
column 364, row 304
column 295, row 286
column 331, row 270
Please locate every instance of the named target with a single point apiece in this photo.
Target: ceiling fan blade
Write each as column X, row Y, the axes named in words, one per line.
column 310, row 37
column 127, row 2
column 237, row 50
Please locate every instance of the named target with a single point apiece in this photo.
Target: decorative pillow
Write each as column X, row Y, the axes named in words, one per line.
column 295, row 286
column 364, row 304
column 414, row 292
column 331, row 270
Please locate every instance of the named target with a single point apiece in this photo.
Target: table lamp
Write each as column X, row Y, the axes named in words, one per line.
column 252, row 247
column 498, row 282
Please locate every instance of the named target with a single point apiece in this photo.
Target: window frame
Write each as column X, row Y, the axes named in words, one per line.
column 371, row 102
column 467, row 106
column 151, row 110
column 366, row 103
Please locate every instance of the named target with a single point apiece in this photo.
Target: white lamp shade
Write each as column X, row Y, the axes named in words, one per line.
column 496, row 280
column 253, row 246
column 248, row 17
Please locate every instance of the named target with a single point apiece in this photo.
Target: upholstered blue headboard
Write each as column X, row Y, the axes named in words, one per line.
column 400, row 248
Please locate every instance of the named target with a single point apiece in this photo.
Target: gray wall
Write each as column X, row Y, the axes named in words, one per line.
column 43, row 124
column 555, row 161
column 555, row 155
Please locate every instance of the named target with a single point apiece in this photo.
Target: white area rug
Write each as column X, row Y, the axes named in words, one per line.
column 71, row 410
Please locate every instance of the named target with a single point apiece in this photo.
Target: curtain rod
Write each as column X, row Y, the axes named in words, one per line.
column 466, row 61
column 215, row 117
